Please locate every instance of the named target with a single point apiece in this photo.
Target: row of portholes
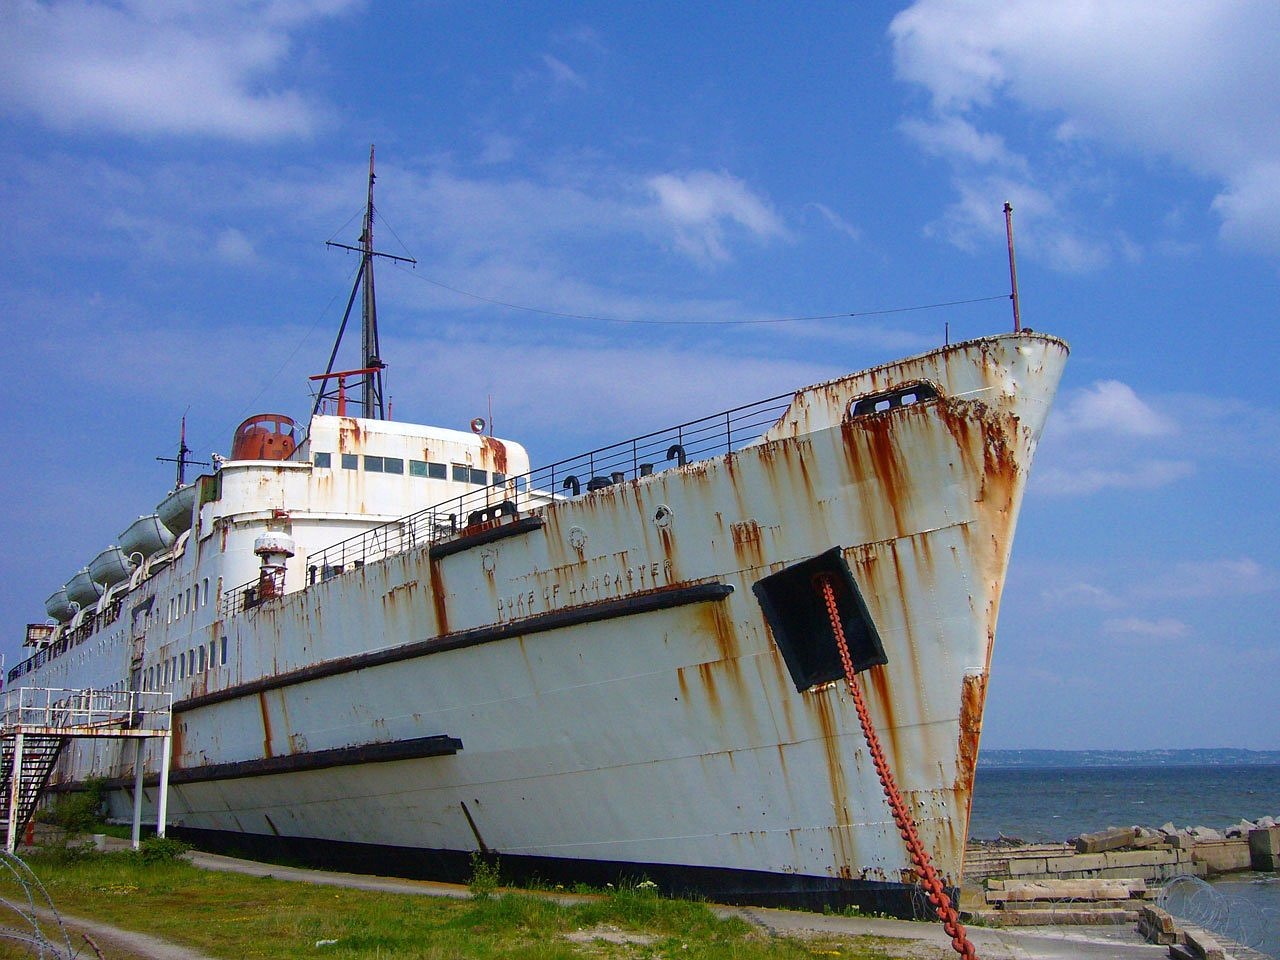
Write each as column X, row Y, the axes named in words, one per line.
column 193, row 662
column 192, row 599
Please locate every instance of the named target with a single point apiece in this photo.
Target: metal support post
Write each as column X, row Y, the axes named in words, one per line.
column 15, row 793
column 162, row 804
column 136, row 835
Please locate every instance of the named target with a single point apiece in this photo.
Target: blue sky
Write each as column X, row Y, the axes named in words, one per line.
column 169, row 172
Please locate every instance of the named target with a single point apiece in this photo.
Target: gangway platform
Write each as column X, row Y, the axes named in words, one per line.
column 37, row 723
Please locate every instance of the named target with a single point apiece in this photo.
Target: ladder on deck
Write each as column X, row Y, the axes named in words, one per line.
column 39, row 753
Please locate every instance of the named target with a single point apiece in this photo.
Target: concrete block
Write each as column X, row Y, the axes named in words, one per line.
column 1065, row 915
column 1223, row 856
column 1070, row 890
column 1022, row 868
column 1081, row 861
column 1264, row 848
column 1111, row 839
column 1202, row 945
column 1139, row 858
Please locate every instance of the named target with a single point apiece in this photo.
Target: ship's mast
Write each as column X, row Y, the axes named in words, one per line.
column 182, row 460
column 371, row 400
column 372, row 392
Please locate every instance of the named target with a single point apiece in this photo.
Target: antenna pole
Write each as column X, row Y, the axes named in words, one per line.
column 372, row 393
column 1013, row 267
column 371, row 396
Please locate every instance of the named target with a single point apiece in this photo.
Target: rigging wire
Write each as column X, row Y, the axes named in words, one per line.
column 289, row 359
column 695, row 323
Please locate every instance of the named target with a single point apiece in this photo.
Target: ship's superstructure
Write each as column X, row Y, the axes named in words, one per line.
column 397, row 644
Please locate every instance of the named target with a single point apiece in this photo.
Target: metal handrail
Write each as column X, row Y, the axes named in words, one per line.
column 251, row 593
column 63, row 708
column 700, row 439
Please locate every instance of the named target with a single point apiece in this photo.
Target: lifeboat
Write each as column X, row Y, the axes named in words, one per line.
column 82, row 589
column 110, row 567
column 174, row 510
column 59, row 606
column 146, row 535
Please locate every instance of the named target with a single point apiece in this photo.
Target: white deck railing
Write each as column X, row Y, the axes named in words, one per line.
column 59, row 708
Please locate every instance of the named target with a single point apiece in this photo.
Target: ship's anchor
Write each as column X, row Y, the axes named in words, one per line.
column 906, row 825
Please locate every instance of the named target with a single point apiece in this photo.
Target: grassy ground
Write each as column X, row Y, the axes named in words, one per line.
column 230, row 915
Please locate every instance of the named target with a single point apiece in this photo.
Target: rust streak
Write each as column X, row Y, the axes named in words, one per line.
column 438, row 598
column 973, row 698
column 266, row 724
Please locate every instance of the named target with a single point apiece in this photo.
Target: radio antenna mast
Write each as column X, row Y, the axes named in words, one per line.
column 370, row 358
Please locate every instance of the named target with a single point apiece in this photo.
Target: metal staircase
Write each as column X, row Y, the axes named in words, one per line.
column 39, row 754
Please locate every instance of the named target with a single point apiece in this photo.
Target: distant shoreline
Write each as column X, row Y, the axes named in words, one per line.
column 1205, row 757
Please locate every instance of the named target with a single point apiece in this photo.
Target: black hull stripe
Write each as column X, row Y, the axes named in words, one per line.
column 663, row 599
column 415, row 749
column 465, row 542
column 720, row 884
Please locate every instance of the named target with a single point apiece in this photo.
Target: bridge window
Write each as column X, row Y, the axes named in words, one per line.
column 461, row 472
column 350, row 461
column 392, row 465
column 223, row 657
column 323, row 459
column 477, row 476
column 373, row 464
column 417, row 468
column 203, row 664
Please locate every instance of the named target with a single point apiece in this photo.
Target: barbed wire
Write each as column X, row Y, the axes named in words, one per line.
column 1196, row 902
column 31, row 919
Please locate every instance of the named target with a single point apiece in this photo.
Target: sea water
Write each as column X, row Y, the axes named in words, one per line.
column 1060, row 803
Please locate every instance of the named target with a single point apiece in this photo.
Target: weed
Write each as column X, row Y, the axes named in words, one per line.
column 77, row 812
column 159, row 850
column 486, row 874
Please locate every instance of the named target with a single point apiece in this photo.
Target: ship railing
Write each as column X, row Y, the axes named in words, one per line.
column 60, row 708
column 586, row 473
column 248, row 596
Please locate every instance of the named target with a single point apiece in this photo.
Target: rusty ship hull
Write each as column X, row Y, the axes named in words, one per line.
column 616, row 681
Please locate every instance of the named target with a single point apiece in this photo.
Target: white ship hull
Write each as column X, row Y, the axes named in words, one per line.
column 592, row 687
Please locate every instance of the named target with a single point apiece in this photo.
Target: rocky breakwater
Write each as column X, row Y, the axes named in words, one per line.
column 1148, row 853
column 1103, row 877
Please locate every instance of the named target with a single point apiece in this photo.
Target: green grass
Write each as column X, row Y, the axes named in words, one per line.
column 232, row 915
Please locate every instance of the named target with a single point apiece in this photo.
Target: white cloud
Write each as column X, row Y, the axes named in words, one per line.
column 562, row 73
column 1139, row 475
column 1197, row 84
column 1165, row 628
column 699, row 205
column 1109, row 406
column 233, row 246
column 1224, row 577
column 954, row 136
column 1079, row 594
column 145, row 68
column 835, row 221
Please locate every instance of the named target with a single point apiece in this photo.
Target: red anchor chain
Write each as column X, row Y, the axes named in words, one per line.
column 906, row 825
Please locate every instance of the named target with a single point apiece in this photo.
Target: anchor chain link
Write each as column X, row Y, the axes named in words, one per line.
column 929, row 878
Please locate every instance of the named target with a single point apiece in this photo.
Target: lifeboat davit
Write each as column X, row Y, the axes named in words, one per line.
column 82, row 590
column 146, row 536
column 59, row 605
column 110, row 567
